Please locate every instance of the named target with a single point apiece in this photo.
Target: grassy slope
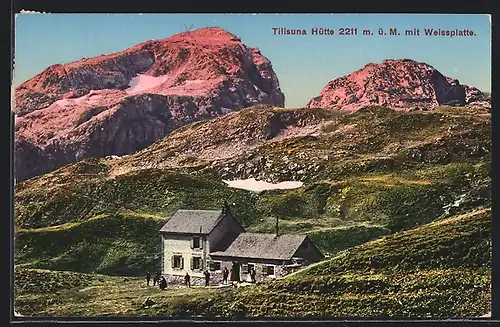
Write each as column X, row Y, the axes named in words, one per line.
column 335, row 216
column 436, row 158
column 68, row 196
column 62, row 293
column 123, row 244
column 439, row 270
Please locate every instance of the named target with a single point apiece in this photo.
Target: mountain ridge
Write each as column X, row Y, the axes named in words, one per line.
column 403, row 84
column 119, row 103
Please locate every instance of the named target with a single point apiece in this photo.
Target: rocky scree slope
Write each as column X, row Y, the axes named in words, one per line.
column 402, row 84
column 309, row 144
column 119, row 103
column 224, row 138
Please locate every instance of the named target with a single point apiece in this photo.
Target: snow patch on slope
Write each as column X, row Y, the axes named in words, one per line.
column 142, row 83
column 94, row 97
column 252, row 184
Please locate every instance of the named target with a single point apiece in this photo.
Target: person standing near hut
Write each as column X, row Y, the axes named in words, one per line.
column 235, row 273
column 252, row 275
column 162, row 283
column 207, row 278
column 187, row 280
column 225, row 275
column 148, row 277
column 156, row 279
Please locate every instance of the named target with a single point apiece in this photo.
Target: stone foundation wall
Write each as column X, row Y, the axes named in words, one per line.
column 179, row 280
column 279, row 271
column 216, row 276
column 215, row 279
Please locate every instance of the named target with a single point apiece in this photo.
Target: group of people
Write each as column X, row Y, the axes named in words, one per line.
column 162, row 282
column 158, row 279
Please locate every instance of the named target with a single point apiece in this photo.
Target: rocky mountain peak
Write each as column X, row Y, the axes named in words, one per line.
column 402, row 84
column 212, row 33
column 118, row 103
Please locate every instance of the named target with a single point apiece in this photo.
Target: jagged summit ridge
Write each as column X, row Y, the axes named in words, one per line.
column 190, row 61
column 118, row 103
column 396, row 83
column 213, row 33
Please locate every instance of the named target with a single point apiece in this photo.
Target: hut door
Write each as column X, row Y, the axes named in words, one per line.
column 235, row 271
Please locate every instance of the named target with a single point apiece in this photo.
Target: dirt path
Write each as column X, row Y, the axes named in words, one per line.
column 305, row 268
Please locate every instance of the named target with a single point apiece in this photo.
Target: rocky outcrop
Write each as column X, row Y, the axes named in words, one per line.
column 399, row 84
column 119, row 103
column 33, row 160
column 225, row 138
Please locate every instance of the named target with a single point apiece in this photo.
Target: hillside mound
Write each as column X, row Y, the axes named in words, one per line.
column 366, row 174
column 439, row 270
column 119, row 103
column 403, row 84
column 370, row 161
column 308, row 145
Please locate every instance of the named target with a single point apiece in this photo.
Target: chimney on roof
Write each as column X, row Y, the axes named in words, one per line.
column 277, row 229
column 226, row 208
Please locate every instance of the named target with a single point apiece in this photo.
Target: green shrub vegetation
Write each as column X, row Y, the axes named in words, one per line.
column 118, row 244
column 334, row 240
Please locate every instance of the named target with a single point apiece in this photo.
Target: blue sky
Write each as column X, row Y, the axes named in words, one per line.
column 304, row 64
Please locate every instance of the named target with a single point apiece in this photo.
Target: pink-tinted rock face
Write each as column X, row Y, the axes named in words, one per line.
column 119, row 103
column 399, row 84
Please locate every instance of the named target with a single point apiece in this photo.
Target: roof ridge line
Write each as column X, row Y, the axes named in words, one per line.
column 281, row 234
column 211, row 210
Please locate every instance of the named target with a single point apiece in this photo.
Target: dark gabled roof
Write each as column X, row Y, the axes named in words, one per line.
column 224, row 242
column 193, row 222
column 263, row 246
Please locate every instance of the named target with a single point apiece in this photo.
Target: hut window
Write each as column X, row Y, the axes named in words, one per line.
column 177, row 261
column 269, row 270
column 215, row 265
column 250, row 267
column 196, row 263
column 196, row 242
